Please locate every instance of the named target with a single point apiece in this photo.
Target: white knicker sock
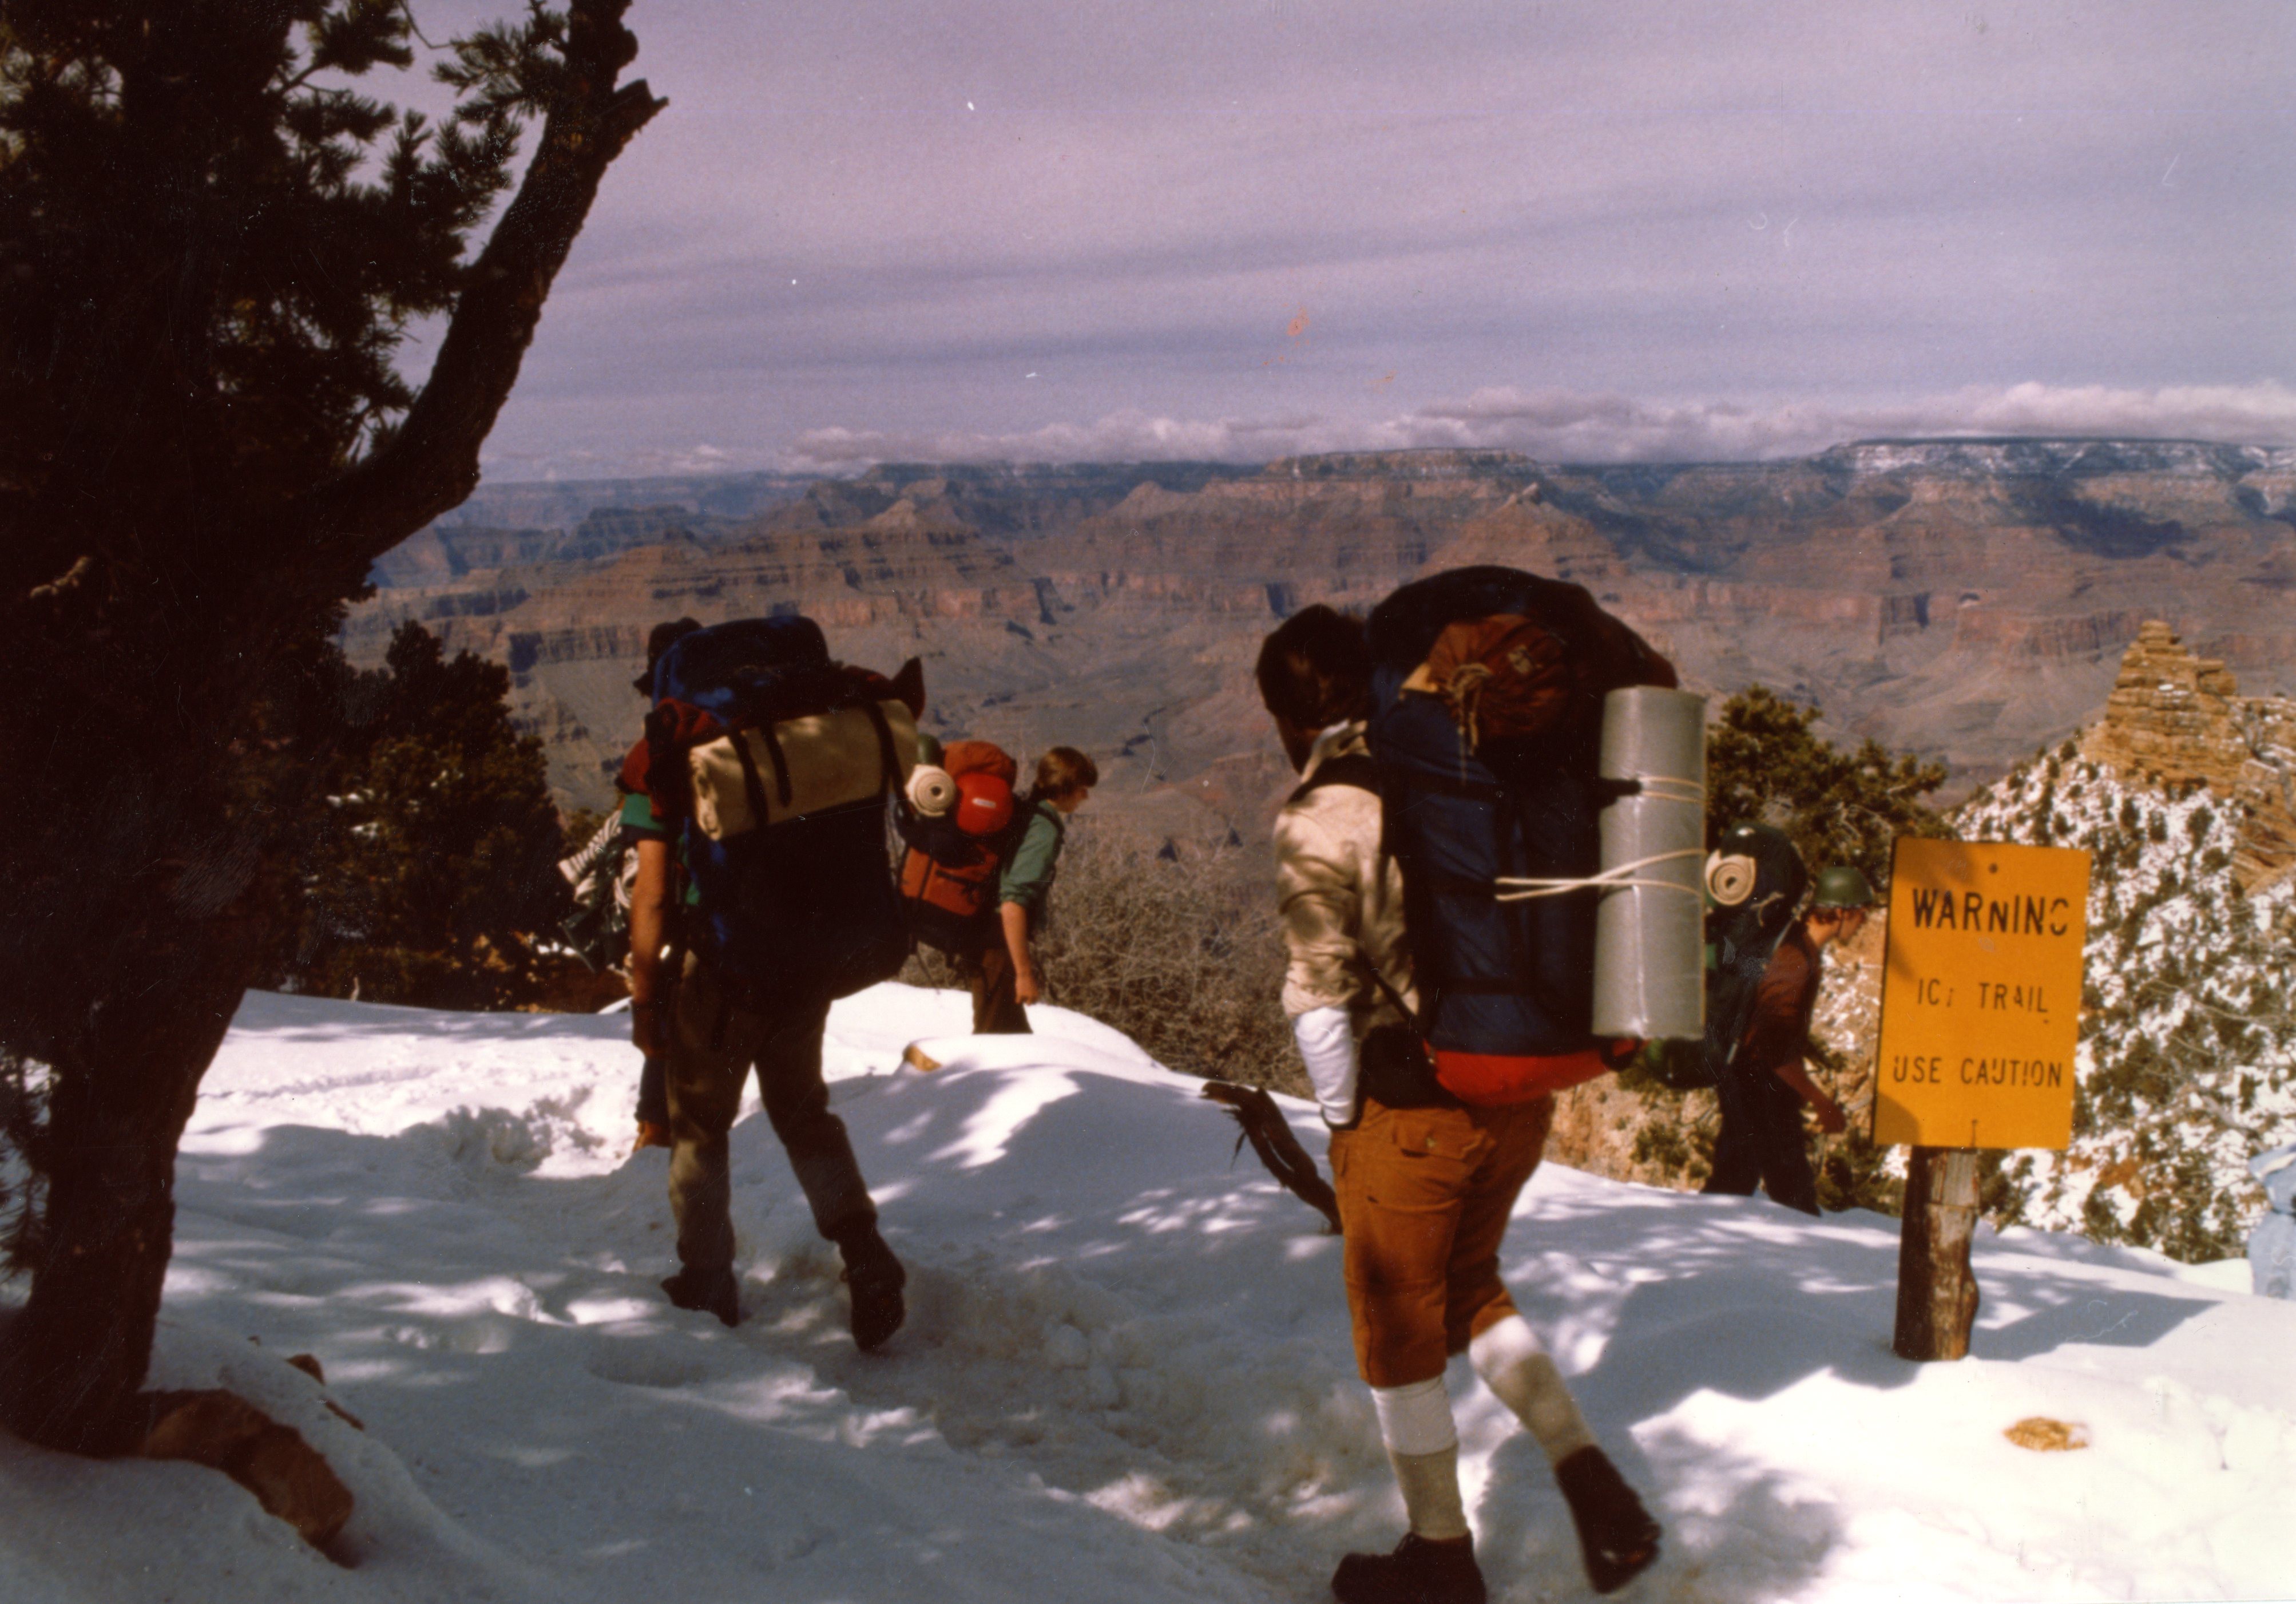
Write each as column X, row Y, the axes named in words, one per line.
column 1423, row 1445
column 1521, row 1376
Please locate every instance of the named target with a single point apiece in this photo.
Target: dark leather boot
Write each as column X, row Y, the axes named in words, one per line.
column 713, row 1291
column 1617, row 1536
column 1422, row 1570
column 874, row 1278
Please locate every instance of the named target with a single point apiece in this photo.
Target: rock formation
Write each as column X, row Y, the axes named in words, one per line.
column 223, row 1431
column 2175, row 718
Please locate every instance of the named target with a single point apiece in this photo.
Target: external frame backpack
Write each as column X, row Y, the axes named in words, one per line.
column 1488, row 687
column 776, row 762
column 600, row 878
column 949, row 873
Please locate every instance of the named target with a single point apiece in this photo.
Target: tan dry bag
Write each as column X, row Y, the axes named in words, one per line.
column 824, row 761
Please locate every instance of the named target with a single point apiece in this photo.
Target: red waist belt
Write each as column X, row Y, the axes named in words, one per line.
column 1501, row 1079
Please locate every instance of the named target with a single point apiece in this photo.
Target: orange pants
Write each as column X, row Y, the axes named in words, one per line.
column 1424, row 1197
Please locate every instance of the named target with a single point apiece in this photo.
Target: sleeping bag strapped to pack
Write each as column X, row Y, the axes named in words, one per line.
column 1487, row 688
column 775, row 762
column 958, row 824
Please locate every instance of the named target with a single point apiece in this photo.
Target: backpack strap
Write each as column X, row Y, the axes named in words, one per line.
column 1451, row 786
column 750, row 784
column 890, row 762
column 1395, row 997
column 781, row 763
column 1357, row 768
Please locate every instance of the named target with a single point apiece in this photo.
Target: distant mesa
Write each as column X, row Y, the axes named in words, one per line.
column 1965, row 598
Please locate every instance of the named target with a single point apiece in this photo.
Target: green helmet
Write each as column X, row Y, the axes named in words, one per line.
column 1842, row 886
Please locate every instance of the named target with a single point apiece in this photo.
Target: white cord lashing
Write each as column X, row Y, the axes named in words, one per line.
column 1668, row 788
column 1615, row 878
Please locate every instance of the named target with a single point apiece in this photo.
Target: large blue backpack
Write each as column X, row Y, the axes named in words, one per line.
column 805, row 909
column 1500, row 981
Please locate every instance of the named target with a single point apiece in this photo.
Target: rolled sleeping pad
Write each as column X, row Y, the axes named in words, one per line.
column 1649, row 937
column 931, row 792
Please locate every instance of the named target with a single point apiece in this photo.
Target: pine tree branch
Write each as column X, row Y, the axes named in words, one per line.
column 429, row 463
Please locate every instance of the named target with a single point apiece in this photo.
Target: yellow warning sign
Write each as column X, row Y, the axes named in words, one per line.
column 1981, row 995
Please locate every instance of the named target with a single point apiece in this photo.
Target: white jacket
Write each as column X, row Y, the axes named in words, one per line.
column 1342, row 905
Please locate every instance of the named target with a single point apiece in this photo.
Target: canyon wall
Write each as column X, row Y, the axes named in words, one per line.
column 1967, row 599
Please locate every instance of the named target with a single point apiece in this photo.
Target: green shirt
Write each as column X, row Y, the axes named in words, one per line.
column 1028, row 878
column 641, row 823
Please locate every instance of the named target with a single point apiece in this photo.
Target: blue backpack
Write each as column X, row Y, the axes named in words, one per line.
column 1468, row 800
column 805, row 908
column 1743, row 935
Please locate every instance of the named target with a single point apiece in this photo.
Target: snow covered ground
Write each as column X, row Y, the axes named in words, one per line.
column 1126, row 1375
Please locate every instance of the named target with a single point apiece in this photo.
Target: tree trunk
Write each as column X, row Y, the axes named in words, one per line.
column 139, row 615
column 73, row 1361
column 1937, row 1291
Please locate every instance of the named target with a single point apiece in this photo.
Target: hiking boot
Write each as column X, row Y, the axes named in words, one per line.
column 1422, row 1570
column 650, row 1135
column 915, row 1056
column 874, row 1278
column 1616, row 1534
column 714, row 1291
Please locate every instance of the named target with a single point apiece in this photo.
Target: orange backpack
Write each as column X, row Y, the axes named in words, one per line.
column 948, row 878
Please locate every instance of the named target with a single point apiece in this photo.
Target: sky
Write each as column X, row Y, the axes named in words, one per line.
column 1583, row 229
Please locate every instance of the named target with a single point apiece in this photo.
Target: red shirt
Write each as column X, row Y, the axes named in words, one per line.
column 1783, row 1005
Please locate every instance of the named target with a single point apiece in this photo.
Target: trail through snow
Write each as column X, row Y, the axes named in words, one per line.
column 1126, row 1375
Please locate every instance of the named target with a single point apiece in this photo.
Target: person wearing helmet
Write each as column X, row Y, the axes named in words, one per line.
column 1007, row 979
column 1766, row 1084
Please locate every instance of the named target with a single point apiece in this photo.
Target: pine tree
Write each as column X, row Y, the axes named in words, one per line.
column 1764, row 764
column 211, row 249
column 433, row 868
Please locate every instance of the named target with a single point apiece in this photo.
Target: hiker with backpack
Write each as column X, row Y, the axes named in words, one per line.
column 1006, row 980
column 605, row 877
column 769, row 766
column 1427, row 1171
column 1769, row 966
column 980, row 866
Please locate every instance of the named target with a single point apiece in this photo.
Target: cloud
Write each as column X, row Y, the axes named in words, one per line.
column 1571, row 426
column 1585, row 231
column 504, row 466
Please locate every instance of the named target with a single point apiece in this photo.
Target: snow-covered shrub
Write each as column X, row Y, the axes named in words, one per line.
column 2187, row 1060
column 1177, row 947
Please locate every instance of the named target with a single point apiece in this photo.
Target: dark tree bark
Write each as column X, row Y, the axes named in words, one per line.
column 73, row 1361
column 138, row 621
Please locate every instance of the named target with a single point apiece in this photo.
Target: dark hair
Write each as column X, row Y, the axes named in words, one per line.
column 666, row 634
column 1064, row 770
column 1315, row 671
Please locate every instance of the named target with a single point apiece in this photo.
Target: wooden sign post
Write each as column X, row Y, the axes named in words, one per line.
column 1980, row 1013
